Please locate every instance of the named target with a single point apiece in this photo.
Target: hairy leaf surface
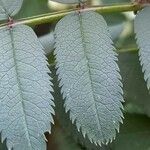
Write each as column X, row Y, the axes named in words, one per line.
column 25, row 98
column 69, row 1
column 142, row 30
column 65, row 122
column 89, row 75
column 9, row 8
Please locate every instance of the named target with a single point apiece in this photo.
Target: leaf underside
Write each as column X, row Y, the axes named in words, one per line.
column 9, row 8
column 69, row 1
column 89, row 76
column 142, row 30
column 25, row 98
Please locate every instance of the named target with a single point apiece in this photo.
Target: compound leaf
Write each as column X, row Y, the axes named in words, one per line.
column 142, row 30
column 9, row 8
column 69, row 1
column 89, row 75
column 25, row 98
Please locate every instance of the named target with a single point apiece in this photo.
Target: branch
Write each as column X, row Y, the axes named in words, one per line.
column 54, row 17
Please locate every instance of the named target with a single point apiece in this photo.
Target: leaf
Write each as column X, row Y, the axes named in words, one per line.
column 69, row 1
column 69, row 129
column 32, row 8
column 89, row 75
column 48, row 40
column 9, row 8
column 142, row 30
column 25, row 100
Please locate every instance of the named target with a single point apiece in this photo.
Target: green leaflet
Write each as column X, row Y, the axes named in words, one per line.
column 9, row 8
column 69, row 129
column 25, row 99
column 142, row 30
column 69, row 1
column 48, row 40
column 89, row 75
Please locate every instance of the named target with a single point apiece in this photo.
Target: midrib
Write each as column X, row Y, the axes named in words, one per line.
column 89, row 70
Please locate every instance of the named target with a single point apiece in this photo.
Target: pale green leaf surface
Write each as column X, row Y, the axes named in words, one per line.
column 25, row 98
column 48, row 40
column 69, row 129
column 9, row 8
column 69, row 1
column 89, row 75
column 142, row 30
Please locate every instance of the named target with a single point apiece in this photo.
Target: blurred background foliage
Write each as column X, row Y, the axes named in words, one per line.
column 135, row 132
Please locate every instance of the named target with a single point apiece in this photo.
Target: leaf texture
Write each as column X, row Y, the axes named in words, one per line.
column 70, row 1
column 48, row 40
column 69, row 129
column 142, row 30
column 9, row 8
column 89, row 76
column 25, row 98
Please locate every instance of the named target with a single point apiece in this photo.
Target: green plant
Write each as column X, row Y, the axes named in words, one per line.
column 89, row 84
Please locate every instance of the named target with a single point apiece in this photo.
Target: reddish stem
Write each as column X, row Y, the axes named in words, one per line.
column 10, row 22
column 142, row 1
column 80, row 7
